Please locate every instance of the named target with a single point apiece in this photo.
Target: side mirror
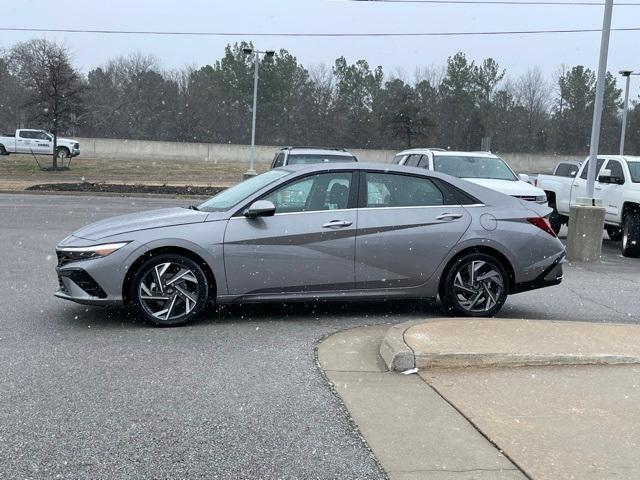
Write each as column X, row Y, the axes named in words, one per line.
column 524, row 177
column 260, row 208
column 605, row 176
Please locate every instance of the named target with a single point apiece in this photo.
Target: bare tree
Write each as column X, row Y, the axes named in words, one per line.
column 534, row 95
column 53, row 86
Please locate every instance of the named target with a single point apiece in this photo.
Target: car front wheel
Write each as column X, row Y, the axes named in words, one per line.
column 475, row 286
column 169, row 290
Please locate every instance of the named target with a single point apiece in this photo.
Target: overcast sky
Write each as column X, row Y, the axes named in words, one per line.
column 403, row 54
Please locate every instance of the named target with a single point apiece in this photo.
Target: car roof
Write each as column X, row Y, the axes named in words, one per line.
column 318, row 151
column 630, row 158
column 446, row 153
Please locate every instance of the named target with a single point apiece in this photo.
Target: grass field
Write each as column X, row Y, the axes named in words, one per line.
column 23, row 170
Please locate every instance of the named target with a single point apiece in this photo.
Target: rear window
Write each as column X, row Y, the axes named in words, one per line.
column 566, row 170
column 311, row 159
column 473, row 167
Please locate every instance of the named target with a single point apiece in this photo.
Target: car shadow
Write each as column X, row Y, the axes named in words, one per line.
column 106, row 318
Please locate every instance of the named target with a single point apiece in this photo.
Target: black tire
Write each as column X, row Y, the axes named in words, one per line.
column 62, row 153
column 3, row 151
column 556, row 220
column 631, row 235
column 452, row 295
column 185, row 299
column 615, row 233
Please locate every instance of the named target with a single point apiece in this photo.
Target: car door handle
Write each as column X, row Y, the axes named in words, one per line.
column 337, row 224
column 449, row 216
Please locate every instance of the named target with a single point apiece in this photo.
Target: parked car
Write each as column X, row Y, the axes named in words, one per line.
column 325, row 231
column 482, row 168
column 617, row 185
column 309, row 155
column 39, row 142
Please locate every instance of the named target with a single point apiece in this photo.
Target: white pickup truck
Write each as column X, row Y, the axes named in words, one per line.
column 617, row 185
column 37, row 142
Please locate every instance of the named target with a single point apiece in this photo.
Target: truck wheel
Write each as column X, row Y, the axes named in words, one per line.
column 61, row 154
column 556, row 220
column 631, row 235
column 615, row 233
column 3, row 151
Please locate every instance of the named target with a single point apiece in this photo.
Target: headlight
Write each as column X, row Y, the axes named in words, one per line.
column 93, row 251
column 541, row 199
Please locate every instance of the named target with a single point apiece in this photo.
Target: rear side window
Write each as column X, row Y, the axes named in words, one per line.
column 279, row 160
column 412, row 160
column 567, row 170
column 393, row 190
column 585, row 170
column 397, row 160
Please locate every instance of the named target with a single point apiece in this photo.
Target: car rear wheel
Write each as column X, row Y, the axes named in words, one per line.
column 631, row 235
column 476, row 285
column 169, row 290
column 615, row 233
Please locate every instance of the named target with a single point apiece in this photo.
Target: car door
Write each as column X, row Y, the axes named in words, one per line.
column 611, row 193
column 42, row 143
column 407, row 224
column 579, row 185
column 308, row 245
column 25, row 142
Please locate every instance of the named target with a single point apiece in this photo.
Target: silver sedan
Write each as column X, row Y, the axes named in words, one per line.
column 330, row 232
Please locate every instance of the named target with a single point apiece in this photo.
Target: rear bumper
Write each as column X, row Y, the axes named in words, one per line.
column 552, row 275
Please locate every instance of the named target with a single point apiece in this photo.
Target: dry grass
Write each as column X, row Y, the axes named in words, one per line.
column 22, row 170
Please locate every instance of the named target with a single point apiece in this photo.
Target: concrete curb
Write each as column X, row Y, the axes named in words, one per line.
column 399, row 356
column 394, row 351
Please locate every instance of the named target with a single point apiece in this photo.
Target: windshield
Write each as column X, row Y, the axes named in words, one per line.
column 234, row 195
column 634, row 171
column 473, row 167
column 317, row 158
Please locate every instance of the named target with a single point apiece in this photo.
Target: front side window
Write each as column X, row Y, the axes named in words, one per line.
column 324, row 191
column 616, row 169
column 473, row 167
column 585, row 170
column 392, row 190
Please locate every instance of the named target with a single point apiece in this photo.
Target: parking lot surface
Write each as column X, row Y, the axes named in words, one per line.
column 93, row 393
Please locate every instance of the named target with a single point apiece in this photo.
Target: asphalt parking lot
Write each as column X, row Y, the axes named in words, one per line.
column 93, row 393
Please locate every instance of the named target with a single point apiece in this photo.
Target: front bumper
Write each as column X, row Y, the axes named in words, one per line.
column 75, row 152
column 77, row 285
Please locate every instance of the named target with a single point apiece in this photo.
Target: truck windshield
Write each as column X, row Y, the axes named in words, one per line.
column 634, row 171
column 473, row 167
column 234, row 195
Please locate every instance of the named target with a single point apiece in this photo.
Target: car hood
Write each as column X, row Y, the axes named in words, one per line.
column 165, row 217
column 508, row 187
column 67, row 140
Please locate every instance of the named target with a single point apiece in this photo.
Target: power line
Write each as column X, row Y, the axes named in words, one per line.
column 500, row 2
column 310, row 34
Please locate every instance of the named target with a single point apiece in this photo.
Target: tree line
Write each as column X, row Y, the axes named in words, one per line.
column 457, row 106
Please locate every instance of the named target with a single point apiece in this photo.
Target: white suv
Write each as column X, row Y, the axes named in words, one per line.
column 481, row 168
column 309, row 155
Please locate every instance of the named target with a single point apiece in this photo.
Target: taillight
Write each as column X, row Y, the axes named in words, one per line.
column 542, row 224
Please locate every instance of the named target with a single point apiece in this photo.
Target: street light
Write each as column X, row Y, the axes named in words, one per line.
column 623, row 132
column 252, row 156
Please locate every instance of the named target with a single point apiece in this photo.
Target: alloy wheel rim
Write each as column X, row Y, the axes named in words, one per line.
column 478, row 286
column 169, row 291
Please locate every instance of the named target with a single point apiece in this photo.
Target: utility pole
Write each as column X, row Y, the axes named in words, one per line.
column 586, row 216
column 627, row 74
column 251, row 172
